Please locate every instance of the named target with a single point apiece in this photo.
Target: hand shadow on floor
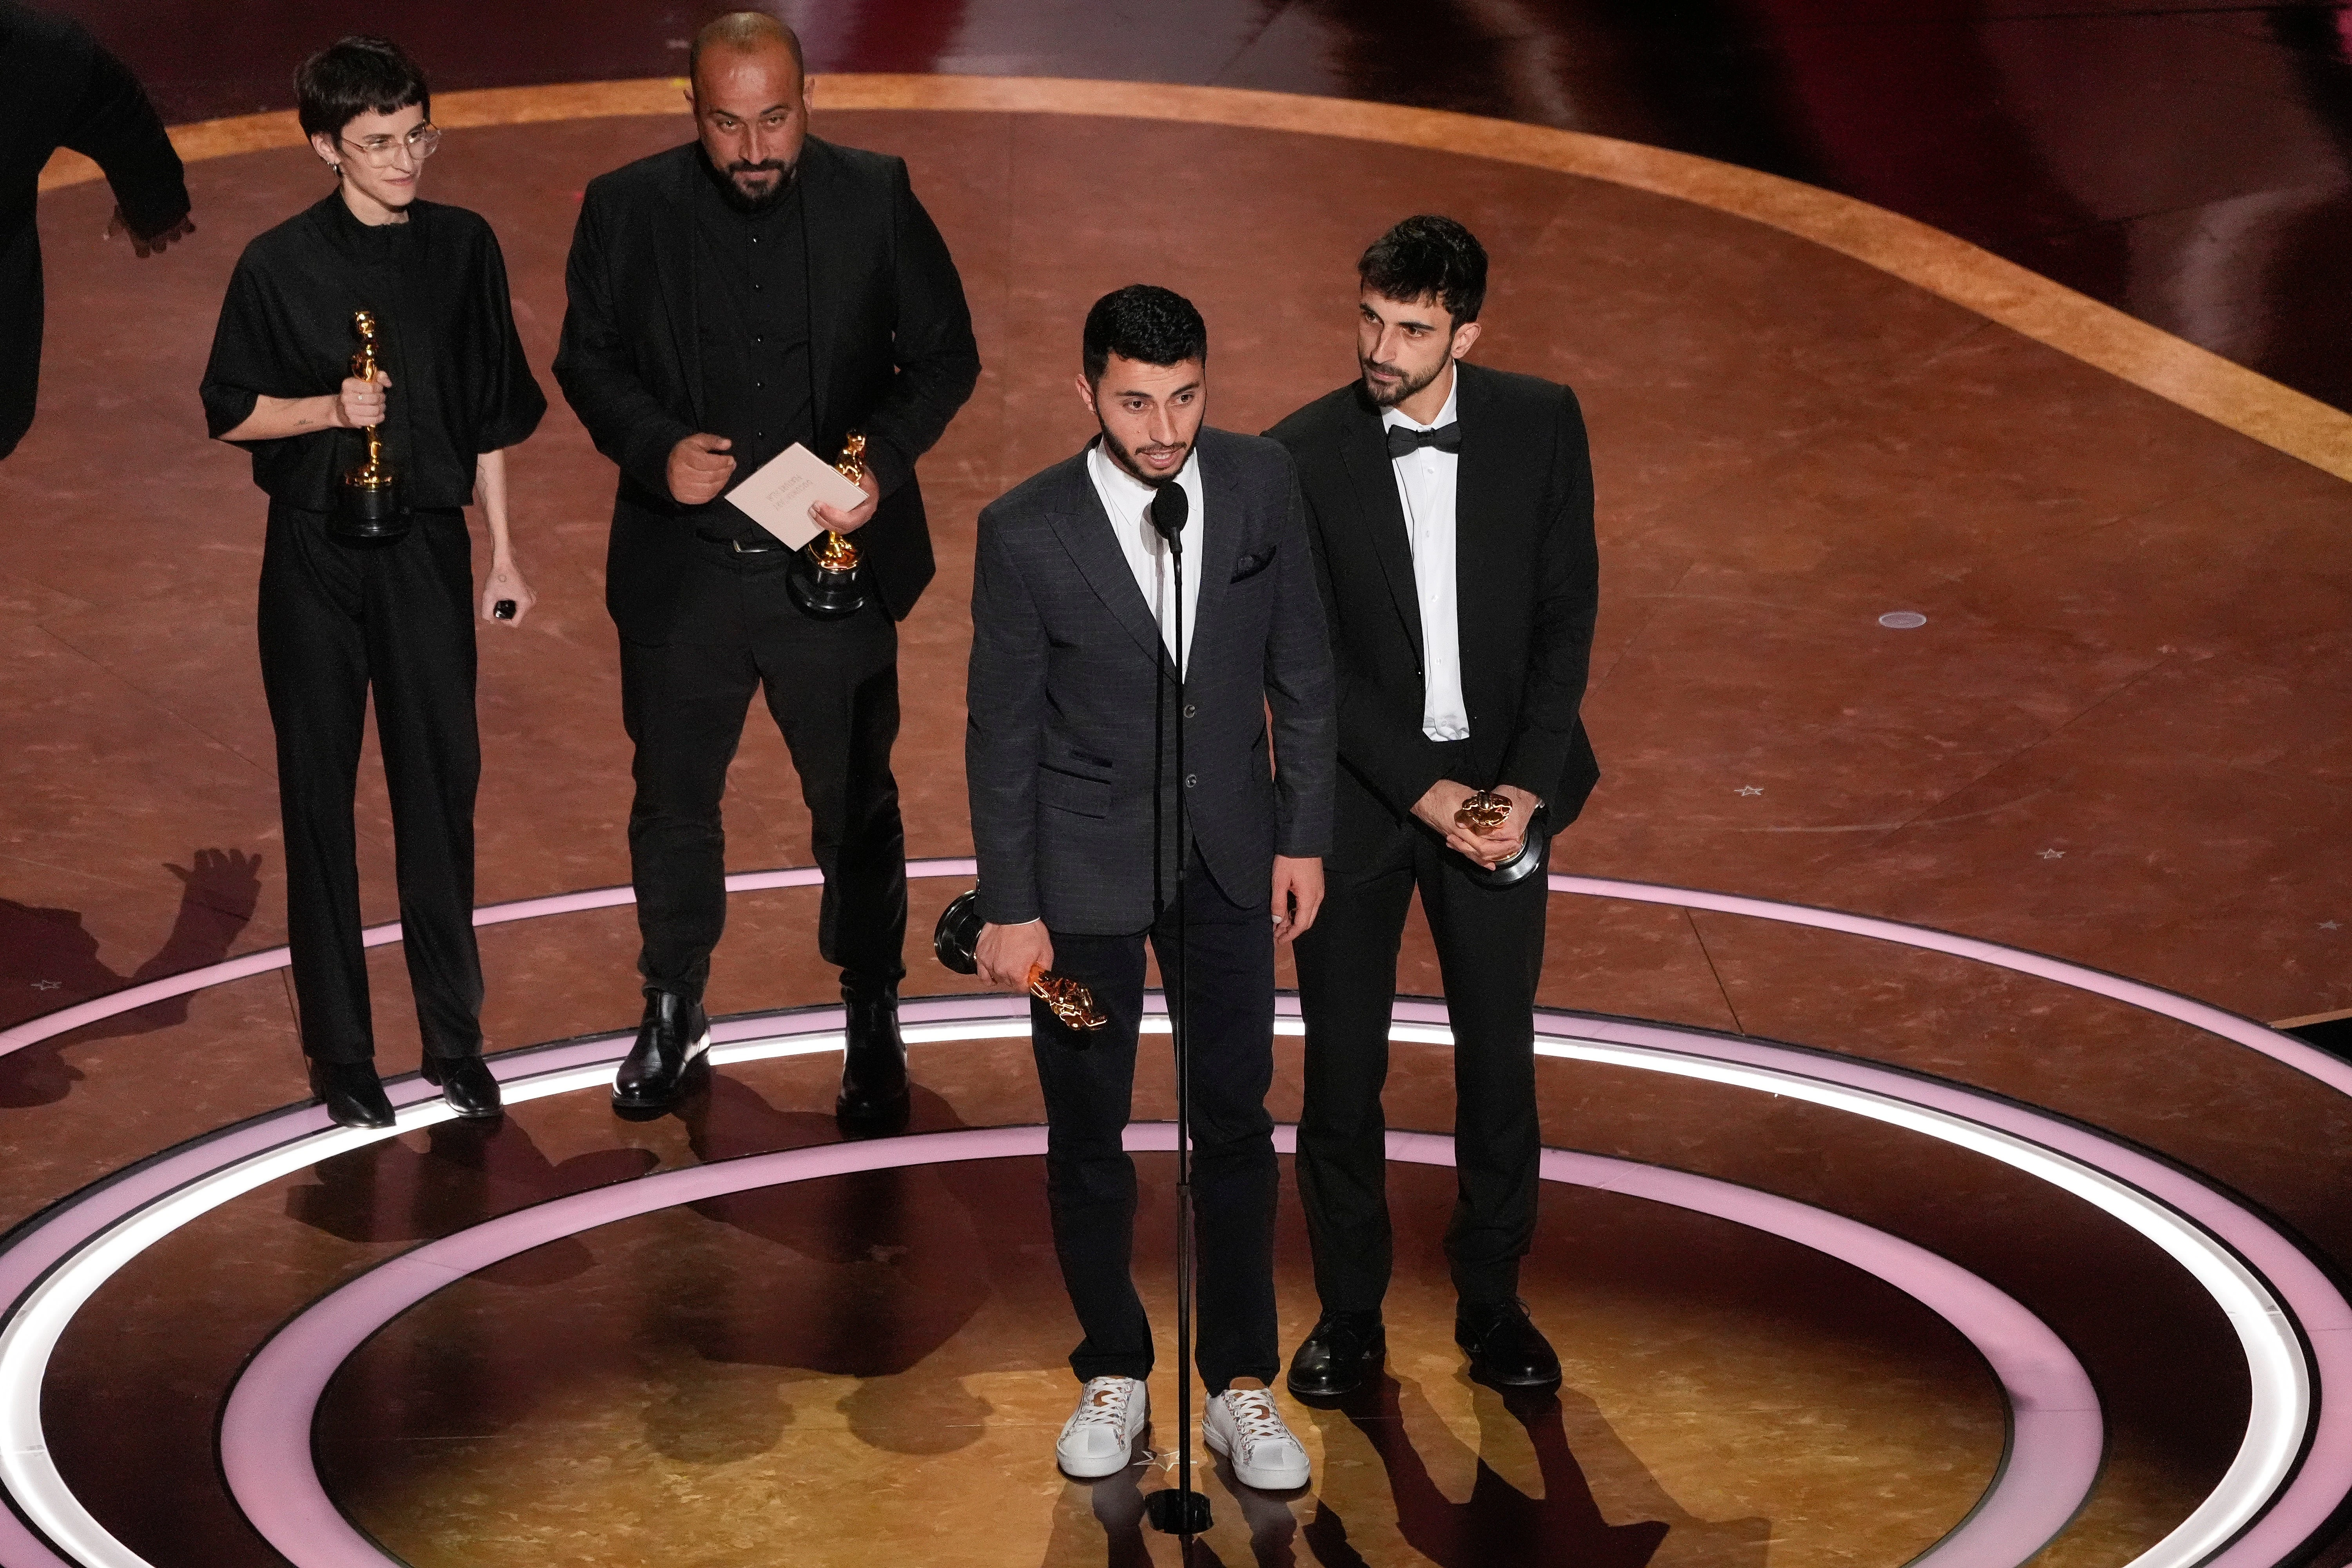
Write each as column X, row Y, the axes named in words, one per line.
column 467, row 1172
column 49, row 961
column 1500, row 1524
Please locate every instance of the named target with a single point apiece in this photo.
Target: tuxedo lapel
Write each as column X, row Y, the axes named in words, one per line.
column 1479, row 540
column 1363, row 451
column 1220, row 536
column 821, row 194
column 1084, row 531
column 673, row 241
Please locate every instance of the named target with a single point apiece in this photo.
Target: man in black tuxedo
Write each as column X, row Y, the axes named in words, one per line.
column 63, row 89
column 757, row 287
column 1451, row 512
column 1071, row 753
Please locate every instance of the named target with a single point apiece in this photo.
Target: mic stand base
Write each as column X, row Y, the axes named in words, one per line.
column 1176, row 1513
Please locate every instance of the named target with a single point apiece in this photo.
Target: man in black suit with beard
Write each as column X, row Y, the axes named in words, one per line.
column 1451, row 509
column 757, row 287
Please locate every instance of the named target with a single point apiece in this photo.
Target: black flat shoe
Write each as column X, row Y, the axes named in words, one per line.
column 1344, row 1349
column 1506, row 1350
column 874, row 1096
column 351, row 1093
column 466, row 1083
column 673, row 1044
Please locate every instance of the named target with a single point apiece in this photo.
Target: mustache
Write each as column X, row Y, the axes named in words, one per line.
column 769, row 167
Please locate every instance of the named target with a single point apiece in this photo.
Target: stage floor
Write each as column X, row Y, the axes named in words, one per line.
column 2118, row 738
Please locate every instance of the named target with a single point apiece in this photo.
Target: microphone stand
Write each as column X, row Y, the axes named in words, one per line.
column 1181, row 1511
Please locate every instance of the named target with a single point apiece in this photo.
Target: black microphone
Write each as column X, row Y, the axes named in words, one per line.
column 1169, row 507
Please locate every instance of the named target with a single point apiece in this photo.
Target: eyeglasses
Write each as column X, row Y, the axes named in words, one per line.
column 380, row 150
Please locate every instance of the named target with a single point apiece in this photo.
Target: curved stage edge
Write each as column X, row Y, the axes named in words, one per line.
column 2293, row 1325
column 1926, row 258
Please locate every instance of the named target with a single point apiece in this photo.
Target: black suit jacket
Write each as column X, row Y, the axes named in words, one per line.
column 1527, row 576
column 1069, row 745
column 892, row 349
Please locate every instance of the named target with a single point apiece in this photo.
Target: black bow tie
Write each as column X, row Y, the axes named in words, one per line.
column 1445, row 438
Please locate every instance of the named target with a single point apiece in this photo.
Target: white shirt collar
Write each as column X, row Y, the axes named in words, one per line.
column 1445, row 415
column 1114, row 481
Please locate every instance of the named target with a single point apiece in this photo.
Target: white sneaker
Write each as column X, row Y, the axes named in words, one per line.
column 1242, row 1424
column 1098, row 1438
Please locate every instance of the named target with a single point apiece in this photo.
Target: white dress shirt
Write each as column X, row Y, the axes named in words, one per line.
column 1128, row 499
column 1426, row 482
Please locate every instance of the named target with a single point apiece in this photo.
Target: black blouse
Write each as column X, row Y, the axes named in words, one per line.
column 444, row 335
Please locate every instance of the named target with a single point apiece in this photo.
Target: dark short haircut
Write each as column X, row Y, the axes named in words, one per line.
column 1146, row 324
column 356, row 76
column 741, row 31
column 1424, row 256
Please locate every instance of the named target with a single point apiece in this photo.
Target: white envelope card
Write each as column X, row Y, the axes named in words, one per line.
column 779, row 495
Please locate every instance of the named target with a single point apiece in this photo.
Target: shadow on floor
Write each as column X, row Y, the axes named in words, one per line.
column 49, row 961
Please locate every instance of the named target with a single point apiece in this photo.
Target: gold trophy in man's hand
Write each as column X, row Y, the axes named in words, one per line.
column 956, row 940
column 368, row 507
column 824, row 581
column 1487, row 810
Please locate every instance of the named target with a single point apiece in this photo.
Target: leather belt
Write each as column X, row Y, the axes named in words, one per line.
column 769, row 547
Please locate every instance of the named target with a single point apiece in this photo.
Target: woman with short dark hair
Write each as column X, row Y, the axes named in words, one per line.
column 367, row 570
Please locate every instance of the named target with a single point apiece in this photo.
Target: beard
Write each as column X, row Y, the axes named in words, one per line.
column 1404, row 388
column 1131, row 466
column 744, row 201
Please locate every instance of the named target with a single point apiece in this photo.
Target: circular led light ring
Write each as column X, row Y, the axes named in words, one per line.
column 2053, row 1458
column 154, row 1199
column 2301, row 1508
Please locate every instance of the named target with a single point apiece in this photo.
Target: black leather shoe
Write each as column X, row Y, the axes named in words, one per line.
column 874, row 1066
column 466, row 1083
column 1344, row 1349
column 673, row 1042
column 354, row 1095
column 1507, row 1351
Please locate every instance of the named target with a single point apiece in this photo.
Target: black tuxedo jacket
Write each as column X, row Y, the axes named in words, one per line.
column 892, row 347
column 1527, row 576
column 1069, row 749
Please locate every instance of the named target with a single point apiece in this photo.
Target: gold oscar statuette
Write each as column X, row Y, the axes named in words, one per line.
column 369, row 506
column 825, row 582
column 1487, row 810
column 1068, row 1000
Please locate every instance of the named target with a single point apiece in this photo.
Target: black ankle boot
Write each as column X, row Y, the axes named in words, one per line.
column 1506, row 1350
column 352, row 1092
column 466, row 1082
column 1344, row 1349
column 874, row 1064
column 673, row 1042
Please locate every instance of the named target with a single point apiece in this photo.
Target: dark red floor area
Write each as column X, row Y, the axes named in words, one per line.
column 2189, row 162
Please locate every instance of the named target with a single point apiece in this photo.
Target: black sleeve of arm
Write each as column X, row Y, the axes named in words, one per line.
column 113, row 123
column 511, row 403
column 931, row 345
column 597, row 370
column 1299, row 693
column 1568, row 601
column 1005, row 731
column 246, row 361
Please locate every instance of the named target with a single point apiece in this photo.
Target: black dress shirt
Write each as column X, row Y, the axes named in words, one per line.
column 752, row 310
column 444, row 332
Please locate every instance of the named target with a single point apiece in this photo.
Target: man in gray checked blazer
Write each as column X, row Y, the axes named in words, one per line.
column 1071, row 753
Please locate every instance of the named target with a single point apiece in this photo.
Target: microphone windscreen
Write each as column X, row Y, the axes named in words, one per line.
column 1169, row 507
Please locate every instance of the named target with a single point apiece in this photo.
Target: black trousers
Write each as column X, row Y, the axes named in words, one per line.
column 20, row 331
column 338, row 621
column 1490, row 953
column 833, row 690
column 1091, row 1179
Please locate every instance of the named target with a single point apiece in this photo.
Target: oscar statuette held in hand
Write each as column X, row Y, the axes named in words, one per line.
column 1487, row 810
column 824, row 581
column 368, row 507
column 955, row 942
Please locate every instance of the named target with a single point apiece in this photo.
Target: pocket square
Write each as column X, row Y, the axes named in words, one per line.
column 1251, row 565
